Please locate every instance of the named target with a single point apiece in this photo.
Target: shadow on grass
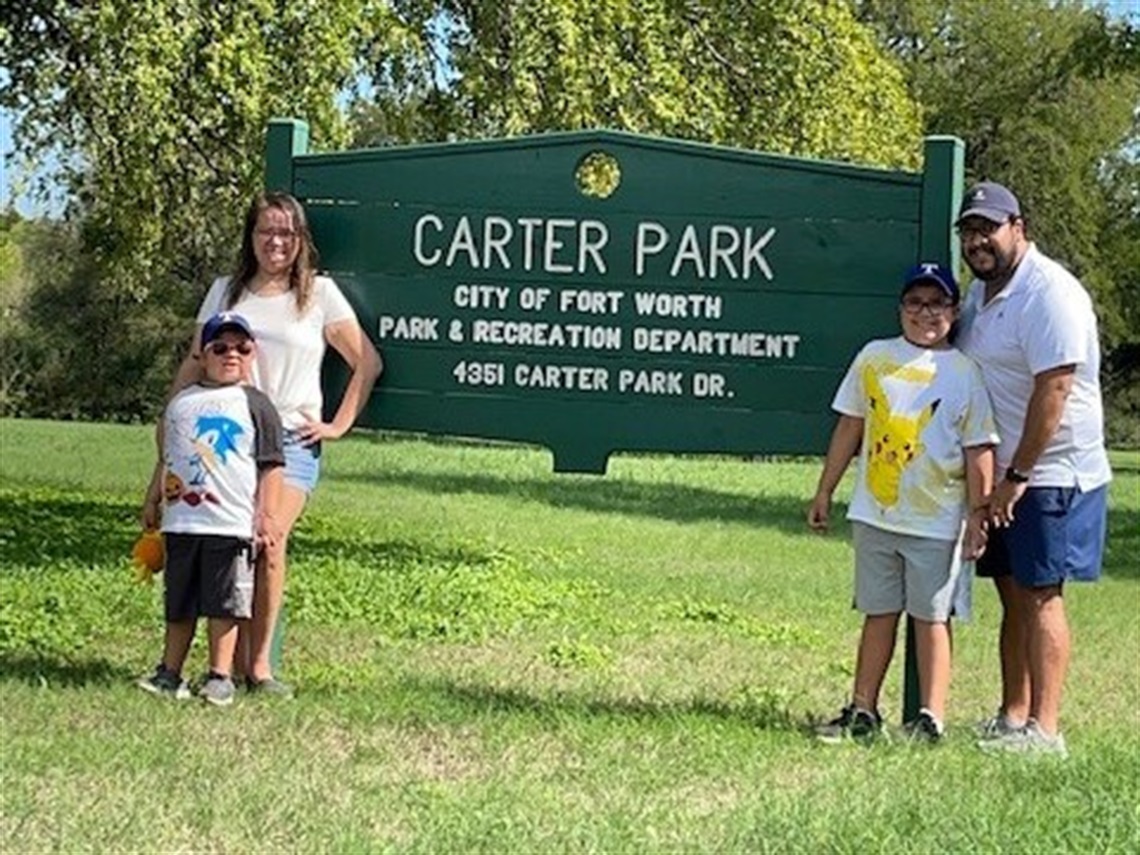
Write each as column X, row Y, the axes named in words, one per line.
column 311, row 544
column 61, row 673
column 671, row 502
column 39, row 530
column 1122, row 553
column 763, row 711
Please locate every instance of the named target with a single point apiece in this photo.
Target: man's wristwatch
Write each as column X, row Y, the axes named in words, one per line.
column 1015, row 477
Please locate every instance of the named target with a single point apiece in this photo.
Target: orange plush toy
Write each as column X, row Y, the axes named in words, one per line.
column 148, row 555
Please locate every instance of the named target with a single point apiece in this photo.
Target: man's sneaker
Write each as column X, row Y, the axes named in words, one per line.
column 166, row 683
column 925, row 728
column 269, row 686
column 218, row 690
column 851, row 723
column 1030, row 739
column 999, row 725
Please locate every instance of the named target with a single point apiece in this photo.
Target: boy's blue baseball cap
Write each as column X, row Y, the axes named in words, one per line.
column 932, row 273
column 223, row 321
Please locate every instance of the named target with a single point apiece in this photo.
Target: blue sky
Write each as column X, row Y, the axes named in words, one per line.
column 29, row 207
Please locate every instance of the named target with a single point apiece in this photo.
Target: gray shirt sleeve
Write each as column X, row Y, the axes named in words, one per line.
column 268, row 445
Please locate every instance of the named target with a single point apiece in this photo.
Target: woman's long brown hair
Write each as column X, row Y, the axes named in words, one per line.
column 304, row 265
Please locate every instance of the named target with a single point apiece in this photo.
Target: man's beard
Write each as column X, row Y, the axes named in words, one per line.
column 1003, row 265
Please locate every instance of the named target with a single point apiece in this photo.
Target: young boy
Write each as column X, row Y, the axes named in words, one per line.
column 218, row 478
column 916, row 412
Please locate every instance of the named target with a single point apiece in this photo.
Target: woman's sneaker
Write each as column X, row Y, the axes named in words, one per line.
column 166, row 683
column 851, row 723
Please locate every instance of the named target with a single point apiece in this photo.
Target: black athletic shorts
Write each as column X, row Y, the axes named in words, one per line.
column 208, row 575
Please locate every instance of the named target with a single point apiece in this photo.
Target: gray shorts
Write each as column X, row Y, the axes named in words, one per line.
column 901, row 572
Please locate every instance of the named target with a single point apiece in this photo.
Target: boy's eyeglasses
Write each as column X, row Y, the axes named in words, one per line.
column 220, row 348
column 936, row 307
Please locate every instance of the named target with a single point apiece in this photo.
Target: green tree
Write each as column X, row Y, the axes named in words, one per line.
column 158, row 110
column 1047, row 97
column 790, row 76
column 161, row 109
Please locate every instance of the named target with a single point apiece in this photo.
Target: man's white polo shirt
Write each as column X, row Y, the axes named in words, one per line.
column 1042, row 319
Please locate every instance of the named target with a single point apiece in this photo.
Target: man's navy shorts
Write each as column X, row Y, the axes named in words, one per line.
column 1057, row 535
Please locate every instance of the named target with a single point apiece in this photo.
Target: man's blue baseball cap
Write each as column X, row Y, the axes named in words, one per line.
column 932, row 273
column 991, row 201
column 222, row 322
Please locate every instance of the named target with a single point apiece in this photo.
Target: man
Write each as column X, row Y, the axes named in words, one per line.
column 1030, row 326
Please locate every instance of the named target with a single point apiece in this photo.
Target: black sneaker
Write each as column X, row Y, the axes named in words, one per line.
column 925, row 728
column 851, row 723
column 165, row 682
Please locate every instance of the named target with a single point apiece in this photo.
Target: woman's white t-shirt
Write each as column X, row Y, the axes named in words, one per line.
column 290, row 346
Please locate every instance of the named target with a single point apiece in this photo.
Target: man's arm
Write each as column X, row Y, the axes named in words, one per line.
column 1046, row 406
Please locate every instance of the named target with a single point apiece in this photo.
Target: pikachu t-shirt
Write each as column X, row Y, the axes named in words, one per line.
column 920, row 408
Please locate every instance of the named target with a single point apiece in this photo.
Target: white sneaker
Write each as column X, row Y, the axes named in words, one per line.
column 1030, row 739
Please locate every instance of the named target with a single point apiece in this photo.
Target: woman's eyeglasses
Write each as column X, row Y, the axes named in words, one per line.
column 283, row 234
column 220, row 348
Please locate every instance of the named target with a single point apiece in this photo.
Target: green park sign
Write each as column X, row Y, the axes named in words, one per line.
column 598, row 291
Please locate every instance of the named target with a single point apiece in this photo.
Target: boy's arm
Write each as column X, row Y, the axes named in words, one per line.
column 844, row 445
column 152, row 502
column 979, row 485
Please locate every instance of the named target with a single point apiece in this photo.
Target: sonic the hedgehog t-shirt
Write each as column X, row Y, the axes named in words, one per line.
column 215, row 438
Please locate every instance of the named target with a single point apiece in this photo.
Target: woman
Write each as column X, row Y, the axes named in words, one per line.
column 294, row 314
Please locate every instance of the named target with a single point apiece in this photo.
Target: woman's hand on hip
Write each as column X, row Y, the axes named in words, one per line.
column 310, row 433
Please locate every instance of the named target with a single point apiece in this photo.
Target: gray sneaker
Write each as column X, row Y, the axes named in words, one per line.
column 851, row 723
column 1030, row 740
column 218, row 690
column 165, row 683
column 999, row 725
column 269, row 686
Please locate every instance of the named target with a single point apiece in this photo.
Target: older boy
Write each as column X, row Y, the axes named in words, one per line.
column 218, row 478
column 917, row 413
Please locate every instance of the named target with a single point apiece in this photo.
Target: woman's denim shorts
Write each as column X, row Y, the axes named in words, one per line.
column 302, row 463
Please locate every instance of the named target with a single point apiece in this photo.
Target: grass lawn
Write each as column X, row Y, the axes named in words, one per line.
column 494, row 658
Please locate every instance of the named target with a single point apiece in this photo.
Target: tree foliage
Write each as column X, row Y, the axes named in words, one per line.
column 157, row 113
column 790, row 76
column 161, row 110
column 1047, row 98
